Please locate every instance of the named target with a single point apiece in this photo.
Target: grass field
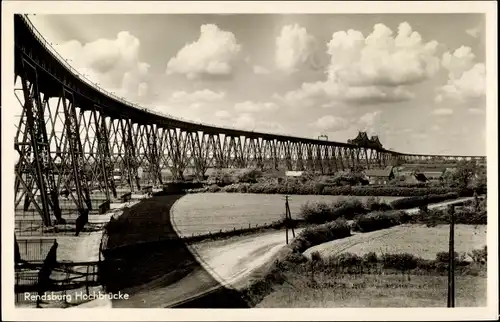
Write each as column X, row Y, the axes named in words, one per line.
column 422, row 241
column 374, row 291
column 211, row 212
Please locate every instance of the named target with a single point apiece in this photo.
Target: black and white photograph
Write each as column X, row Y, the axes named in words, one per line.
column 255, row 159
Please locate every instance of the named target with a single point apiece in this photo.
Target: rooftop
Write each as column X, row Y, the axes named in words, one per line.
column 379, row 172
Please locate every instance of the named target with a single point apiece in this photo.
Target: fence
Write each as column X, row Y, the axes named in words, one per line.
column 35, row 250
column 66, row 213
column 194, row 237
column 66, row 280
column 27, row 227
column 26, row 283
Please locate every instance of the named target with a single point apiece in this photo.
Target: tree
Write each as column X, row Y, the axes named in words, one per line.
column 463, row 174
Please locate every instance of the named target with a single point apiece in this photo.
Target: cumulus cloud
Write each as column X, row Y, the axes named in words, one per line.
column 270, row 127
column 142, row 90
column 470, row 85
column 204, row 95
column 112, row 63
column 260, row 70
column 212, row 54
column 294, row 46
column 382, row 58
column 442, row 111
column 223, row 115
column 330, row 123
column 244, row 121
column 368, row 120
column 189, row 105
column 420, row 136
column 252, row 107
column 473, row 32
column 311, row 94
column 461, row 60
column 371, row 69
column 466, row 78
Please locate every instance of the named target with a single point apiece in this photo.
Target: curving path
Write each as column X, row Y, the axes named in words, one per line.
column 147, row 260
column 169, row 273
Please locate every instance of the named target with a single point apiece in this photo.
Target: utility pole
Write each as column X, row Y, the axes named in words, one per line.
column 288, row 219
column 288, row 214
column 451, row 258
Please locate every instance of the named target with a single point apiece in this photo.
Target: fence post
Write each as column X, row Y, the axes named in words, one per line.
column 451, row 258
column 87, row 281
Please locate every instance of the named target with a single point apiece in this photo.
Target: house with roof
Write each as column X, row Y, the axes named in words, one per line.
column 380, row 176
column 432, row 175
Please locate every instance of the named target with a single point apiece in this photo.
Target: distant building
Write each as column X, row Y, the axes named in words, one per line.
column 362, row 140
column 377, row 176
column 420, row 177
column 432, row 175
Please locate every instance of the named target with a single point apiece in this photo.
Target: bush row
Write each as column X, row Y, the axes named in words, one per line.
column 404, row 262
column 380, row 220
column 322, row 212
column 464, row 216
column 468, row 215
column 319, row 234
column 314, row 188
column 416, row 201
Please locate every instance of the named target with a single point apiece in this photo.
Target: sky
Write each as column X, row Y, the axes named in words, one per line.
column 415, row 80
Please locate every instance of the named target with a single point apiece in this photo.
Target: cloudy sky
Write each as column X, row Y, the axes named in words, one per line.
column 416, row 80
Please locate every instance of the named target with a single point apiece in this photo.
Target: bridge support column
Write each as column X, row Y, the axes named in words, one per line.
column 78, row 175
column 103, row 153
column 34, row 171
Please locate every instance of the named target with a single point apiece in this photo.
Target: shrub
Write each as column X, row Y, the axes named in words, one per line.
column 479, row 255
column 349, row 179
column 380, row 220
column 249, row 176
column 320, row 212
column 316, row 256
column 320, row 234
column 214, row 188
column 347, row 260
column 416, row 201
column 295, row 258
column 316, row 213
column 370, row 257
column 465, row 215
column 404, row 261
column 444, row 257
column 221, row 177
column 374, row 204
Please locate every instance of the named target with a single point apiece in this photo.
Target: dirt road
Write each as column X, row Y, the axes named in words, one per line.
column 217, row 264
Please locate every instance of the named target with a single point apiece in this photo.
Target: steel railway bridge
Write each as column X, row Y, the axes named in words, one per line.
column 99, row 133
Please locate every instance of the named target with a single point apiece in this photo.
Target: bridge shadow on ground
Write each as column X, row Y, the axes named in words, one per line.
column 146, row 259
